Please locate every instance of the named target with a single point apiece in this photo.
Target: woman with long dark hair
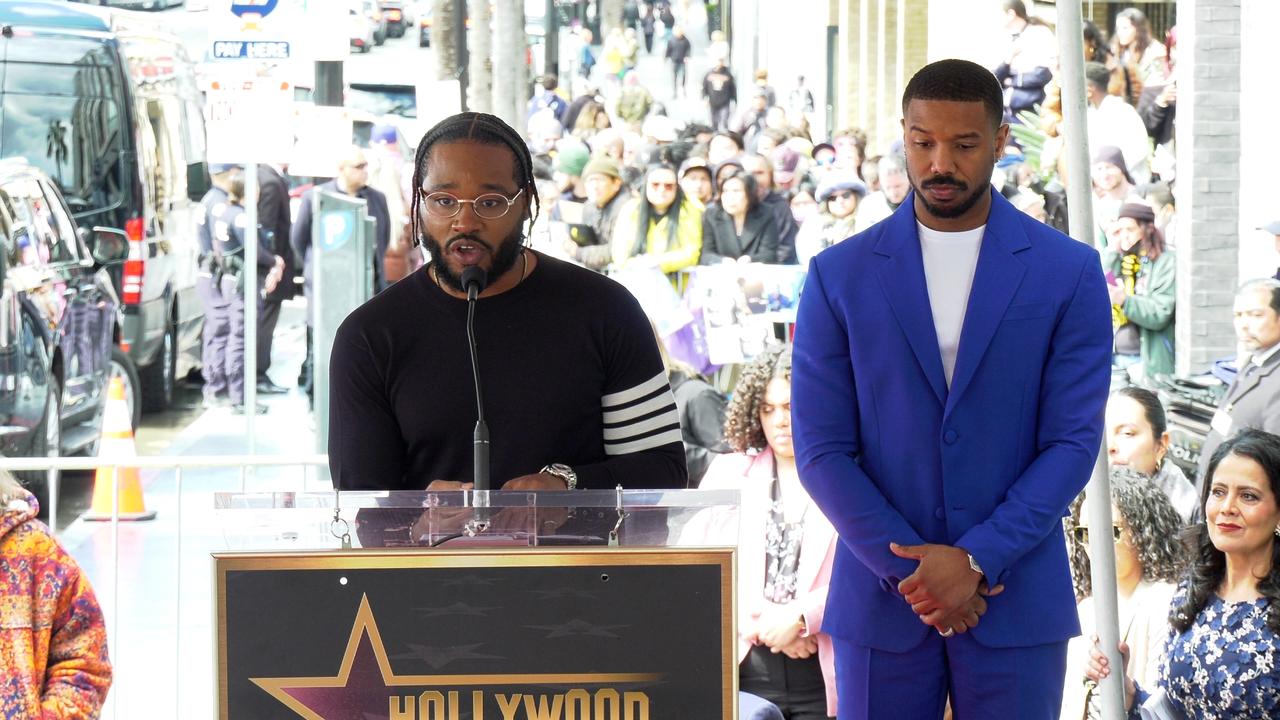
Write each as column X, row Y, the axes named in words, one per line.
column 1142, row 277
column 661, row 228
column 1132, row 43
column 1223, row 646
column 738, row 228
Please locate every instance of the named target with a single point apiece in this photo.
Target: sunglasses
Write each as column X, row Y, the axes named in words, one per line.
column 1081, row 534
column 842, row 195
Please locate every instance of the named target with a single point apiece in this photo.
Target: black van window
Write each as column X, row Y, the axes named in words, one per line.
column 64, row 116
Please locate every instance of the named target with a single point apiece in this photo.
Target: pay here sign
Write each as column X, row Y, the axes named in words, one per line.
column 277, row 30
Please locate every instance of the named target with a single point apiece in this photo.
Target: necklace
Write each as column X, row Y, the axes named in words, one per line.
column 524, row 269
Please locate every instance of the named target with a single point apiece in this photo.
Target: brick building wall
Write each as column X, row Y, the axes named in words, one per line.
column 1208, row 140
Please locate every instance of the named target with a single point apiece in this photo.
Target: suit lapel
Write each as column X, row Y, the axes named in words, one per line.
column 902, row 280
column 1244, row 384
column 998, row 275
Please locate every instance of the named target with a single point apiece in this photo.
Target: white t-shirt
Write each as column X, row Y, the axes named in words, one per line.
column 950, row 261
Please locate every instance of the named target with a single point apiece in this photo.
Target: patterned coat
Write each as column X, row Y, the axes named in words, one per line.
column 53, row 643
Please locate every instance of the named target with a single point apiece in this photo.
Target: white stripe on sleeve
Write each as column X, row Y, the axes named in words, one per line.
column 648, row 387
column 670, row 417
column 649, row 443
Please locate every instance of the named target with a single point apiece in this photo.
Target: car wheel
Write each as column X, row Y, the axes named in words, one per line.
column 46, row 443
column 157, row 379
column 122, row 367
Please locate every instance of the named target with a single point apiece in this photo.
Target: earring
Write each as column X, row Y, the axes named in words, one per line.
column 1278, row 531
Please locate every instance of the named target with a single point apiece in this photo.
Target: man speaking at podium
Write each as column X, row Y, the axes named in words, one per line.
column 574, row 390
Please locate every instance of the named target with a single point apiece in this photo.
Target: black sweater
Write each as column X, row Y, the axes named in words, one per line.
column 569, row 368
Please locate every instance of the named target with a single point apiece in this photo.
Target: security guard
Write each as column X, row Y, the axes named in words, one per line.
column 228, row 223
column 216, row 323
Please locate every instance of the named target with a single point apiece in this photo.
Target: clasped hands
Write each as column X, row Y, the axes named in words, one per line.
column 450, row 520
column 944, row 591
column 779, row 630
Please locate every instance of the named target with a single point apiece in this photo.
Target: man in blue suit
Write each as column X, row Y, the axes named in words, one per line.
column 950, row 372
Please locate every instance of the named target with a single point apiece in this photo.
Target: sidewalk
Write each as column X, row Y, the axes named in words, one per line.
column 160, row 612
column 655, row 72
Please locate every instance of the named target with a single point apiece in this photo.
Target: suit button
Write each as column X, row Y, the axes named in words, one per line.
column 950, row 437
column 940, row 513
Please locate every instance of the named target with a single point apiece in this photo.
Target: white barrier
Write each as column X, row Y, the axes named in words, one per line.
column 89, row 556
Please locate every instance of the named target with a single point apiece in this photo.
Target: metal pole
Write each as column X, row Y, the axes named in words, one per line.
column 1076, row 147
column 1102, row 551
column 251, row 303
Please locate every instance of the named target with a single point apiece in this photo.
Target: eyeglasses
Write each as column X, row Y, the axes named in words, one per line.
column 662, row 185
column 489, row 206
column 1081, row 534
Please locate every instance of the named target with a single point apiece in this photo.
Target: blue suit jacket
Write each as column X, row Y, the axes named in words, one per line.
column 890, row 455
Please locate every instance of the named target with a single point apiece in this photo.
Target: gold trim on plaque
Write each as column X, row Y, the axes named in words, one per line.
column 409, row 558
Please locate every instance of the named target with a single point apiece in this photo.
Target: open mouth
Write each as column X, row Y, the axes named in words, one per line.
column 468, row 252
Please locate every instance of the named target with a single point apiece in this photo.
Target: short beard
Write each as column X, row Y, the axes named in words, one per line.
column 953, row 212
column 504, row 257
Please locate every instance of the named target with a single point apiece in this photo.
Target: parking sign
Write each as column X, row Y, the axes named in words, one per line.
column 278, row 30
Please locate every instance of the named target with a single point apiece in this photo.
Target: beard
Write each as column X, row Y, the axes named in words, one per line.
column 966, row 202
column 503, row 257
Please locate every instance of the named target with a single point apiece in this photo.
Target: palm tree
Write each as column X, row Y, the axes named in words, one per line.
column 479, row 53
column 56, row 146
column 444, row 41
column 610, row 16
column 509, row 72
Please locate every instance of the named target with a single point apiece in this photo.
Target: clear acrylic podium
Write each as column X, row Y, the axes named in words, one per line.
column 339, row 520
column 612, row 604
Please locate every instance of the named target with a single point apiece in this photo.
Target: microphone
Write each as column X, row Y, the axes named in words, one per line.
column 474, row 280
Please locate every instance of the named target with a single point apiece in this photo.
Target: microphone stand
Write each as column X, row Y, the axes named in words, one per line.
column 474, row 280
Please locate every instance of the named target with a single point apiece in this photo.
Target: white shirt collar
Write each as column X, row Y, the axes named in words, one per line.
column 1262, row 357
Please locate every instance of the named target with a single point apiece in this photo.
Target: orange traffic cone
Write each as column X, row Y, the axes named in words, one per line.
column 117, row 444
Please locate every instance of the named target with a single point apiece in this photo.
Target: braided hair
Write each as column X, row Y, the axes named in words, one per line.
column 473, row 127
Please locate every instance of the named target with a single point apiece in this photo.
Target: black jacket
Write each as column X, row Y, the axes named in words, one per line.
column 300, row 235
column 702, row 410
column 273, row 217
column 720, row 238
column 787, row 227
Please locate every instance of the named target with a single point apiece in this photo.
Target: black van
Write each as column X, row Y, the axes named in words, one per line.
column 112, row 113
column 58, row 315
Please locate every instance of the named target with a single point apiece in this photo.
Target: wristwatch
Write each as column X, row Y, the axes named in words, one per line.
column 974, row 566
column 564, row 472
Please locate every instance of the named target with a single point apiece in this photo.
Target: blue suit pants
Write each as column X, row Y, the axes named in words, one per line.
column 983, row 682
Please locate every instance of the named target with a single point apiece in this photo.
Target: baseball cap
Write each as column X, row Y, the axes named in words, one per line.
column 602, row 165
column 785, row 162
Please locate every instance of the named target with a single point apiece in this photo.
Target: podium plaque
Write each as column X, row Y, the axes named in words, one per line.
column 540, row 633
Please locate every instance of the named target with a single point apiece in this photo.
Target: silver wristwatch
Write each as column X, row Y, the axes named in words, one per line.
column 564, row 472
column 974, row 566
